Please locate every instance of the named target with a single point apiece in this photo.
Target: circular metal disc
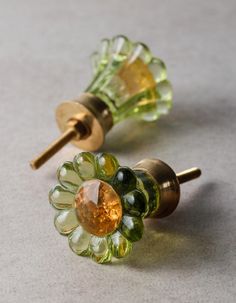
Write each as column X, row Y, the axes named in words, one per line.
column 69, row 110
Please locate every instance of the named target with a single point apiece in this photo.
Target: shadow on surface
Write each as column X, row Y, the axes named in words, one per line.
column 183, row 240
column 134, row 136
column 185, row 118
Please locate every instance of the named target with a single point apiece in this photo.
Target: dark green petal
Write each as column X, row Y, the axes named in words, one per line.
column 135, row 204
column 147, row 183
column 124, row 180
column 100, row 250
column 131, row 228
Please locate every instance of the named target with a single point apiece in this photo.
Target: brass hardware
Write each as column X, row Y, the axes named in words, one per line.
column 84, row 121
column 168, row 183
column 188, row 175
column 52, row 149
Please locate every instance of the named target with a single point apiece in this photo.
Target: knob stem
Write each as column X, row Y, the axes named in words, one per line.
column 54, row 147
column 188, row 175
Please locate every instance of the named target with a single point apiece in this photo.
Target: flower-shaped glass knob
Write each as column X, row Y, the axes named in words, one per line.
column 128, row 82
column 101, row 205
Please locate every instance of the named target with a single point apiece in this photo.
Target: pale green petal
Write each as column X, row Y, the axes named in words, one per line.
column 79, row 241
column 158, row 69
column 121, row 47
column 164, row 101
column 61, row 198
column 165, row 92
column 68, row 177
column 95, row 61
column 135, row 203
column 100, row 250
column 104, row 52
column 119, row 245
column 141, row 51
column 84, row 164
column 66, row 221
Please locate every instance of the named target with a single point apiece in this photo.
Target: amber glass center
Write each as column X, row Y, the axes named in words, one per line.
column 136, row 77
column 99, row 208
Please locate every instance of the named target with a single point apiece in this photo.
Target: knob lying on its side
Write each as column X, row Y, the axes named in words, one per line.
column 128, row 82
column 102, row 204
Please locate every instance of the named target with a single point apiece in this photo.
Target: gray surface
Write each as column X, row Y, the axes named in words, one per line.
column 44, row 48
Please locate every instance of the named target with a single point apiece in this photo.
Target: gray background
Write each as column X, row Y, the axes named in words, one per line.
column 44, row 58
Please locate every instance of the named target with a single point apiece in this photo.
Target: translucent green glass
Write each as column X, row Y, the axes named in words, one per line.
column 131, row 228
column 106, row 165
column 68, row 177
column 61, row 198
column 120, row 246
column 79, row 241
column 130, row 80
column 66, row 221
column 135, row 203
column 148, row 186
column 85, row 166
column 101, row 205
column 100, row 250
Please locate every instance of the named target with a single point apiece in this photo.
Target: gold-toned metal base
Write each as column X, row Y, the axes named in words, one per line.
column 84, row 121
column 168, row 183
column 97, row 120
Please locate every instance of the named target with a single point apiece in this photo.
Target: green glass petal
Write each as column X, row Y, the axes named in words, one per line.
column 158, row 69
column 100, row 59
column 104, row 52
column 61, row 198
column 66, row 221
column 79, row 241
column 119, row 245
column 100, row 250
column 135, row 203
column 148, row 185
column 124, row 180
column 131, row 228
column 164, row 102
column 125, row 78
column 141, row 51
column 94, row 58
column 165, row 91
column 84, row 164
column 150, row 117
column 106, row 165
column 68, row 177
column 121, row 47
